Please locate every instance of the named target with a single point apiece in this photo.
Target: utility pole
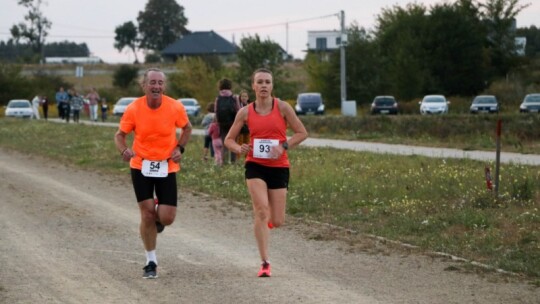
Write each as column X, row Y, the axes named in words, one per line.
column 342, row 58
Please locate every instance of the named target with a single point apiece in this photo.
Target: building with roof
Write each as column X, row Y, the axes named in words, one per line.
column 200, row 44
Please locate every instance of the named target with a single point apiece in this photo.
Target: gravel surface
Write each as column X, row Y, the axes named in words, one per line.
column 71, row 236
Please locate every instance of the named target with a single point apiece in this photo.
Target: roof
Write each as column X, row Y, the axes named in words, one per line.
column 200, row 43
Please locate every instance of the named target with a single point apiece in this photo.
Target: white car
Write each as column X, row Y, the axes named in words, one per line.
column 19, row 108
column 434, row 104
column 192, row 106
column 530, row 104
column 121, row 105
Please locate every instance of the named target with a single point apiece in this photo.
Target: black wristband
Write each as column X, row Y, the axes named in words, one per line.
column 285, row 145
column 182, row 149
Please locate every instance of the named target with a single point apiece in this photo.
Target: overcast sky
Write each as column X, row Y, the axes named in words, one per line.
column 94, row 21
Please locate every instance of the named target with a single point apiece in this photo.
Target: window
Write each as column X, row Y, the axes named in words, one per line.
column 320, row 44
column 338, row 40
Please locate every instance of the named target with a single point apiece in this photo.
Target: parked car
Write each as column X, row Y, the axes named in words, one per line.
column 484, row 104
column 193, row 108
column 19, row 108
column 384, row 105
column 121, row 105
column 434, row 104
column 530, row 104
column 309, row 103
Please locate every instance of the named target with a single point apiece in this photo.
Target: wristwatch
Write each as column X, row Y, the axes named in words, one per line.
column 285, row 145
column 181, row 149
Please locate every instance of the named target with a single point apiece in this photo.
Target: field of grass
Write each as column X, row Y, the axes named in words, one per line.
column 436, row 204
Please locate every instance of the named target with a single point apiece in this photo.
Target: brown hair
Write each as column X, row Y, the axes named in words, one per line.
column 260, row 70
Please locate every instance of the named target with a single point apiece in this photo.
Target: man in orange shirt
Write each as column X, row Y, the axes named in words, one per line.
column 154, row 158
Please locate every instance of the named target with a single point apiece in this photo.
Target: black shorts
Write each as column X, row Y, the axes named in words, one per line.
column 274, row 177
column 164, row 187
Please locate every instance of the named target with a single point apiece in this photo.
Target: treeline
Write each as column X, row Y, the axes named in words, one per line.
column 451, row 49
column 24, row 52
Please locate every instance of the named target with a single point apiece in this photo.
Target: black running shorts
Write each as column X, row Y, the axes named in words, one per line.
column 164, row 187
column 274, row 177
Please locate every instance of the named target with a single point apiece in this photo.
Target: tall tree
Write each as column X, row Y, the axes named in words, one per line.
column 499, row 17
column 255, row 53
column 35, row 30
column 455, row 40
column 161, row 23
column 126, row 36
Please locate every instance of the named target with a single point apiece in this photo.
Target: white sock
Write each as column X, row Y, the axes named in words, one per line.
column 151, row 256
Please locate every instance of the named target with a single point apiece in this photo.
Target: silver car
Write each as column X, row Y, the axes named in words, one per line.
column 530, row 104
column 19, row 108
column 121, row 105
column 192, row 106
column 434, row 104
column 484, row 104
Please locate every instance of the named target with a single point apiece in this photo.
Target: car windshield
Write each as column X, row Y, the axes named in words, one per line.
column 385, row 101
column 532, row 98
column 484, row 100
column 188, row 102
column 19, row 104
column 125, row 102
column 311, row 98
column 434, row 99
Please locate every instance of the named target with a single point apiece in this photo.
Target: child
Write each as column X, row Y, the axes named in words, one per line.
column 104, row 109
column 217, row 144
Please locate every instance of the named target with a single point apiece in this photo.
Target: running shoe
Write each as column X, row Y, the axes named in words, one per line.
column 159, row 227
column 150, row 271
column 265, row 270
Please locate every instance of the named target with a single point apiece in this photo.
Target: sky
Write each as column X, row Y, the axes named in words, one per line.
column 283, row 21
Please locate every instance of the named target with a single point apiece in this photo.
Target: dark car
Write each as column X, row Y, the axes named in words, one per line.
column 309, row 103
column 530, row 104
column 484, row 104
column 384, row 105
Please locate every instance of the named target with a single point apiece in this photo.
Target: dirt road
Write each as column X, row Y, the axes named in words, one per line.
column 71, row 236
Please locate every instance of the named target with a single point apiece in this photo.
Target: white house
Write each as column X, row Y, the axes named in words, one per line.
column 324, row 40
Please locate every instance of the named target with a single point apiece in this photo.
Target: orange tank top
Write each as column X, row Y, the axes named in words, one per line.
column 265, row 131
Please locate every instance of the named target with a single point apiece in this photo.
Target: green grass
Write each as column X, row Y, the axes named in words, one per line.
column 436, row 204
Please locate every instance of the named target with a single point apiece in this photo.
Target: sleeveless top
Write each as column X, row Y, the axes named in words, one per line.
column 266, row 131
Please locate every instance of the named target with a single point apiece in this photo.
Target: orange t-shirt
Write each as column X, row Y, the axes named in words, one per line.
column 155, row 130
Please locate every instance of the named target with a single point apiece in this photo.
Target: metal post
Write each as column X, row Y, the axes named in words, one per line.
column 498, row 157
column 342, row 58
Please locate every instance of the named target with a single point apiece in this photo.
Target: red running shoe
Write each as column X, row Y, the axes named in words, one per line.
column 265, row 270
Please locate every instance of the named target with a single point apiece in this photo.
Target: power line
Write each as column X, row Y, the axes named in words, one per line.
column 276, row 24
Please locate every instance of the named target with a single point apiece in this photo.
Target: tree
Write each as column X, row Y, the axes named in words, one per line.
column 36, row 29
column 126, row 36
column 194, row 79
column 125, row 76
column 161, row 23
column 499, row 17
column 253, row 54
column 455, row 38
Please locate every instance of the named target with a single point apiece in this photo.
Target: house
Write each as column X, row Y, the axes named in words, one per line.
column 200, row 44
column 324, row 41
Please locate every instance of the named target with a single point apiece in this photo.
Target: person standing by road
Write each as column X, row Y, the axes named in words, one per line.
column 35, row 107
column 243, row 137
column 267, row 163
column 61, row 99
column 154, row 158
column 226, row 106
column 45, row 107
column 93, row 98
